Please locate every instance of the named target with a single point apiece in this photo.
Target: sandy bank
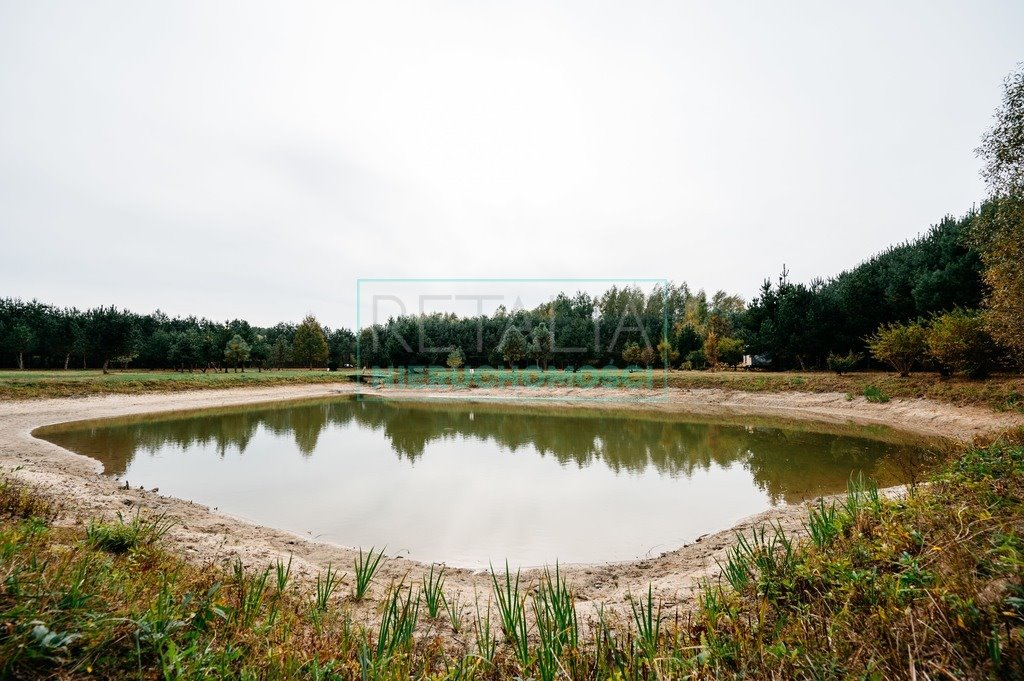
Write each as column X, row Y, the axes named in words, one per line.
column 206, row 536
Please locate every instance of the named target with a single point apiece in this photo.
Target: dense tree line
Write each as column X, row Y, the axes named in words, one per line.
column 37, row 335
column 800, row 325
column 915, row 304
column 623, row 326
column 796, row 325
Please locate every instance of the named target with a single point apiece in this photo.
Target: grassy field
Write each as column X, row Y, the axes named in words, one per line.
column 929, row 586
column 1000, row 392
column 20, row 385
column 1004, row 392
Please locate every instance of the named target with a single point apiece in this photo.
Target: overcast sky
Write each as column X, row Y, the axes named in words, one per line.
column 254, row 159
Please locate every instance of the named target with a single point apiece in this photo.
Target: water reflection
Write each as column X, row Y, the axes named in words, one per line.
column 367, row 464
column 787, row 463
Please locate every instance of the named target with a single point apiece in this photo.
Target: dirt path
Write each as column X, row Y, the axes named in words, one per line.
column 206, row 536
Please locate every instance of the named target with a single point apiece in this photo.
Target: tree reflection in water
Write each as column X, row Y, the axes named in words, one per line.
column 788, row 462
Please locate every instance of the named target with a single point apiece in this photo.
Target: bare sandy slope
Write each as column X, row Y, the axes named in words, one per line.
column 206, row 536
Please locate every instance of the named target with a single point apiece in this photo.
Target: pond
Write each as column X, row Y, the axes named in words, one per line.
column 470, row 483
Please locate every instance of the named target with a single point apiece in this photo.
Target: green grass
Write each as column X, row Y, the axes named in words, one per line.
column 930, row 585
column 876, row 395
column 1001, row 392
column 20, row 385
column 432, row 588
column 124, row 535
column 365, row 568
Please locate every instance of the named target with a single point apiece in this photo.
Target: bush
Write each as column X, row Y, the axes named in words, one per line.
column 958, row 342
column 19, row 502
column 696, row 359
column 124, row 535
column 875, row 394
column 730, row 351
column 841, row 364
column 901, row 346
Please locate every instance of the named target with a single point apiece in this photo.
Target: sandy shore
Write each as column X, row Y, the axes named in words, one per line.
column 205, row 536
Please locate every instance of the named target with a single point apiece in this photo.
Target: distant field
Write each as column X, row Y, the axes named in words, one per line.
column 1004, row 392
column 16, row 385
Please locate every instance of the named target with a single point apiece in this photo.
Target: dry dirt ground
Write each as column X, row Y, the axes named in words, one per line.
column 203, row 535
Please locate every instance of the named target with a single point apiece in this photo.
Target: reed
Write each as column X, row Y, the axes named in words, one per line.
column 647, row 619
column 432, row 589
column 365, row 568
column 326, row 584
column 123, row 535
column 512, row 613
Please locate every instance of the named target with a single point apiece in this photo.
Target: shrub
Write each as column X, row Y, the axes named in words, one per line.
column 901, row 346
column 696, row 359
column 730, row 351
column 124, row 535
column 875, row 394
column 631, row 353
column 958, row 342
column 19, row 502
column 456, row 358
column 841, row 364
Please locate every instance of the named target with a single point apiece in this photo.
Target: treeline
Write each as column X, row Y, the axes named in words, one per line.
column 40, row 336
column 800, row 325
column 952, row 299
column 623, row 326
column 790, row 325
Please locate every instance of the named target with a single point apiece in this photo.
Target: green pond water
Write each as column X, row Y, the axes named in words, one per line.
column 470, row 483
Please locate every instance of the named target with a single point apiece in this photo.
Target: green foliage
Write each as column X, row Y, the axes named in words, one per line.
column 326, row 584
column 824, row 524
column 512, row 346
column 696, row 359
column 688, row 340
column 512, row 613
column 259, row 351
column 432, row 590
column 125, row 535
column 730, row 351
column 365, row 568
column 554, row 610
column 902, row 346
column 959, row 342
column 236, row 352
column 456, row 358
column 998, row 230
column 20, row 502
column 798, row 325
column 875, row 394
column 667, row 354
column 711, row 349
column 541, row 347
column 309, row 347
column 397, row 626
column 280, row 353
column 648, row 620
column 842, row 364
column 631, row 353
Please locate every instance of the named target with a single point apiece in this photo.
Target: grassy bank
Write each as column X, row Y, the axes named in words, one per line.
column 22, row 385
column 1002, row 393
column 928, row 586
